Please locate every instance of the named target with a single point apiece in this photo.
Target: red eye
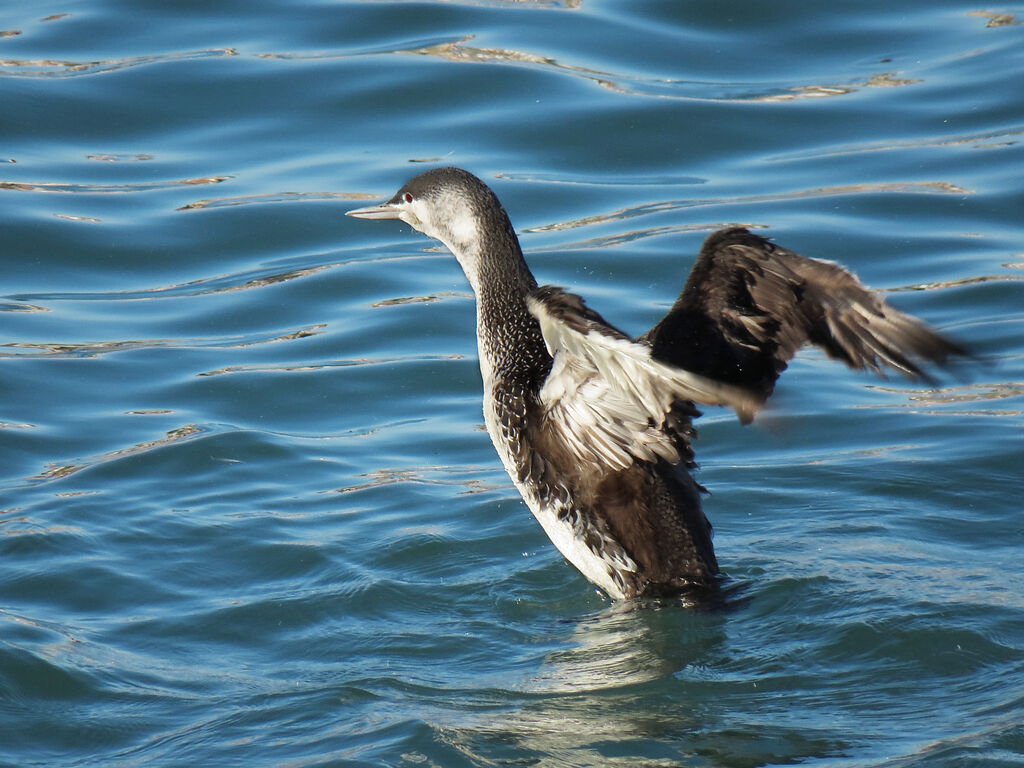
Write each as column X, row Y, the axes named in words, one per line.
column 407, row 197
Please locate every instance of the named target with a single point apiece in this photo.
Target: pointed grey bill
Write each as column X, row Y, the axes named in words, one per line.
column 381, row 211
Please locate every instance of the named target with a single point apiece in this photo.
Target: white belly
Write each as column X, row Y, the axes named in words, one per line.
column 560, row 531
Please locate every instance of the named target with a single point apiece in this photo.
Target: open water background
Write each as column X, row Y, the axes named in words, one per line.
column 248, row 512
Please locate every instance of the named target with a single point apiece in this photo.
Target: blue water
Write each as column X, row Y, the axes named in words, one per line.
column 249, row 513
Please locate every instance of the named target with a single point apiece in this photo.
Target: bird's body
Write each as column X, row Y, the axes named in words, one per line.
column 594, row 427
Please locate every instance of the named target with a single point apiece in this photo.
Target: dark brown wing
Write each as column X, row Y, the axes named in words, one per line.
column 749, row 305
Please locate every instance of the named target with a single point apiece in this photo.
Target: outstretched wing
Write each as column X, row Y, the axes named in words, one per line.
column 607, row 400
column 749, row 305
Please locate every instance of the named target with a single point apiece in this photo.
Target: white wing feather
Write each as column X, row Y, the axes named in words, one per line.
column 608, row 399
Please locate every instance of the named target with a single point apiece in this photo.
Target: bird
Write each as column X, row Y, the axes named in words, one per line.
column 595, row 427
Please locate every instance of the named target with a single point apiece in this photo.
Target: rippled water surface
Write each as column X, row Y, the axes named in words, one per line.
column 249, row 513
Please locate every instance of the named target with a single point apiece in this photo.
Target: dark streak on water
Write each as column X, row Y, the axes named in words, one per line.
column 249, row 516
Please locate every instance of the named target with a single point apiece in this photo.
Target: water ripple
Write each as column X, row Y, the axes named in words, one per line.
column 52, row 68
column 273, row 197
column 96, row 348
column 667, row 88
column 430, row 475
column 661, row 206
column 260, row 277
column 1005, row 137
column 106, row 189
column 58, row 471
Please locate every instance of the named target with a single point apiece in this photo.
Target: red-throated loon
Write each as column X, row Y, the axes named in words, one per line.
column 593, row 426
